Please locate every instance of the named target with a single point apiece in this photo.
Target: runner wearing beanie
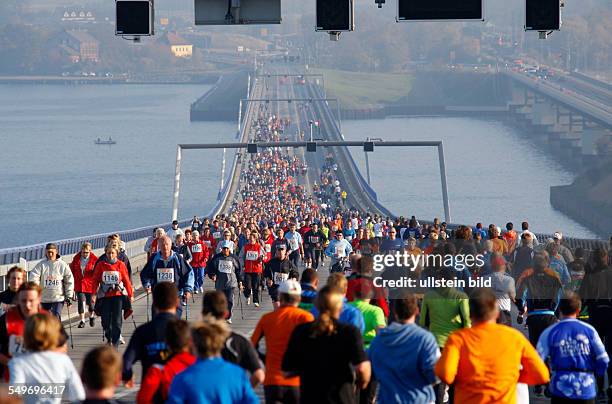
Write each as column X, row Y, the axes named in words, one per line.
column 56, row 280
column 225, row 270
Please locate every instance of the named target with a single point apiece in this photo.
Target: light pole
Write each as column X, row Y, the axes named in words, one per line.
column 367, row 160
column 310, row 124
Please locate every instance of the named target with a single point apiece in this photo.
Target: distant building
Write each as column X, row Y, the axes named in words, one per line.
column 80, row 46
column 179, row 46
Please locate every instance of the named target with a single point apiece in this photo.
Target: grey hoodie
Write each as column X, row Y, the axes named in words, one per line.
column 55, row 278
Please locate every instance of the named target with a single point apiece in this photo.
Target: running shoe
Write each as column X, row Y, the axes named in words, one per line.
column 196, row 291
column 92, row 321
column 248, row 301
column 81, row 324
column 256, row 304
column 229, row 320
column 121, row 340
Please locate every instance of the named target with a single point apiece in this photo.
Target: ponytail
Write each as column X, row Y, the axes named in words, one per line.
column 329, row 303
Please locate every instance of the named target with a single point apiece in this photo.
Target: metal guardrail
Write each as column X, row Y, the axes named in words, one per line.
column 73, row 245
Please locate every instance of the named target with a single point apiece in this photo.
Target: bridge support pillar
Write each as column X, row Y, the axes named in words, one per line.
column 595, row 143
column 544, row 113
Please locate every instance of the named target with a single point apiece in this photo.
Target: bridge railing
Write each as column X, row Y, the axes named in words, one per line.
column 367, row 188
column 73, row 245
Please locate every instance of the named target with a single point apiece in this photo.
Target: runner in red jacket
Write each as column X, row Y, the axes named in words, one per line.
column 208, row 239
column 200, row 254
column 266, row 240
column 112, row 283
column 82, row 268
column 252, row 257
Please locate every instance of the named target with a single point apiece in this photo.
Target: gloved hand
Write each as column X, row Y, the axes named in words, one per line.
column 68, row 302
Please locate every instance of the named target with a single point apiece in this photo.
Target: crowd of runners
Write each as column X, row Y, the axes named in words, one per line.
column 342, row 330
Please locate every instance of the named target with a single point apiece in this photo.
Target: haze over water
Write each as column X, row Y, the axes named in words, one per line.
column 495, row 175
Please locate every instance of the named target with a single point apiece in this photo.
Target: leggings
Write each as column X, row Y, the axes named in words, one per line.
column 82, row 300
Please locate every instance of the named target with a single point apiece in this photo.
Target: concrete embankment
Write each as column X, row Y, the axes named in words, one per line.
column 588, row 199
column 141, row 78
column 221, row 102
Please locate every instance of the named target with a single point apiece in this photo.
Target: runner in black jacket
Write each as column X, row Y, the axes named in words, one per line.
column 147, row 344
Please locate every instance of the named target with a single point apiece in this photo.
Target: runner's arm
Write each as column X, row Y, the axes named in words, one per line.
column 359, row 359
column 364, row 373
column 257, row 335
column 447, row 366
column 34, row 274
column 131, row 355
column 602, row 360
column 534, row 370
column 464, row 310
column 127, row 283
column 188, row 278
column 146, row 274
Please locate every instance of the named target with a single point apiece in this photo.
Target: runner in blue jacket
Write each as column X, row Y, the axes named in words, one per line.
column 575, row 353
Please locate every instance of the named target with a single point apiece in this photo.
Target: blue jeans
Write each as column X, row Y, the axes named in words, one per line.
column 199, row 277
column 54, row 308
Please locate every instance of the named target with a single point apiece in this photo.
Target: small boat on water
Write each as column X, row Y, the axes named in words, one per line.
column 107, row 141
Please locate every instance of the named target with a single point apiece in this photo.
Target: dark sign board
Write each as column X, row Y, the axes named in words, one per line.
column 334, row 15
column 134, row 17
column 542, row 15
column 429, row 10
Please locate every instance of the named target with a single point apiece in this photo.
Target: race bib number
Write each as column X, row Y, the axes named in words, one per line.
column 268, row 248
column 207, row 242
column 314, row 240
column 252, row 255
column 340, row 251
column 280, row 277
column 226, row 267
column 293, row 243
column 165, row 275
column 53, row 283
column 196, row 248
column 217, row 234
column 15, row 345
column 110, row 277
